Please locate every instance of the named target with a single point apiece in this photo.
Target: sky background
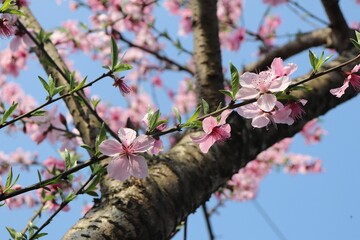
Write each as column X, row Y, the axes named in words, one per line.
column 322, row 206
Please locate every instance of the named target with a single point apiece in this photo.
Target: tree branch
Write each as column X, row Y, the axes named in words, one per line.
column 340, row 30
column 185, row 178
column 207, row 53
column 84, row 120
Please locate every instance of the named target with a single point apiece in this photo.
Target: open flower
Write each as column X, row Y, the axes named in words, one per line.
column 126, row 160
column 351, row 78
column 260, row 118
column 214, row 131
column 263, row 85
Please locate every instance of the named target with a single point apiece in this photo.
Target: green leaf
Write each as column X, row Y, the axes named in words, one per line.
column 205, row 106
column 95, row 102
column 45, row 84
column 120, row 67
column 195, row 115
column 313, row 59
column 5, row 5
column 80, row 85
column 39, row 176
column 357, row 41
column 8, row 112
column 356, row 44
column 153, row 118
column 71, row 196
column 193, row 124
column 9, row 178
column 13, row 233
column 58, row 90
column 92, row 193
column 88, row 148
column 357, row 34
column 177, row 114
column 38, row 113
column 100, row 138
column 39, row 235
column 234, row 80
column 114, row 54
column 14, row 12
column 228, row 93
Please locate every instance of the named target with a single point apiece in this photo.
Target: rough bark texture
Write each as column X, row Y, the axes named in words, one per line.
column 84, row 120
column 207, row 53
column 184, row 178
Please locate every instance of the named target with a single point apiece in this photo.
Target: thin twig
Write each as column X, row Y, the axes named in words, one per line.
column 185, row 229
column 268, row 220
column 62, row 205
column 36, row 214
column 46, row 182
column 208, row 224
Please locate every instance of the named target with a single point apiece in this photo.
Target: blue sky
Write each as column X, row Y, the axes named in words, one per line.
column 323, row 206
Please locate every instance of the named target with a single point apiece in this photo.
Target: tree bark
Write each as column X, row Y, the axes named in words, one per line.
column 184, row 178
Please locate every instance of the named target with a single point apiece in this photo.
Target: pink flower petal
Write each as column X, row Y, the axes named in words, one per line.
column 266, row 102
column 224, row 116
column 280, row 84
column 355, row 69
column 249, row 110
column 143, row 143
column 139, row 168
column 127, row 136
column 198, row 139
column 119, row 168
column 247, row 93
column 207, row 142
column 208, row 124
column 260, row 121
column 110, row 147
column 247, row 79
column 338, row 92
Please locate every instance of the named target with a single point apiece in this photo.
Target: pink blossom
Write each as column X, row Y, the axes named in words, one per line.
column 298, row 163
column 126, row 160
column 297, row 110
column 158, row 144
column 351, row 78
column 275, row 2
column 123, row 87
column 233, row 40
column 185, row 23
column 6, row 25
column 173, row 6
column 214, row 131
column 313, row 132
column 267, row 31
column 280, row 70
column 261, row 118
column 261, row 86
column 21, row 40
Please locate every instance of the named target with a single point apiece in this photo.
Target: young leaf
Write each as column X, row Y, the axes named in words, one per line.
column 80, row 85
column 228, row 93
column 177, row 114
column 234, row 80
column 313, row 59
column 205, row 106
column 357, row 41
column 100, row 138
column 45, row 84
column 120, row 67
column 195, row 115
column 38, row 113
column 8, row 113
column 114, row 54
